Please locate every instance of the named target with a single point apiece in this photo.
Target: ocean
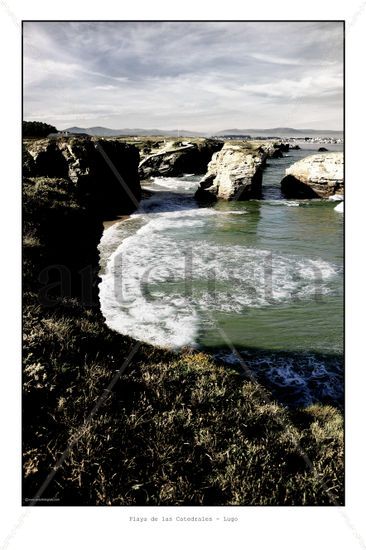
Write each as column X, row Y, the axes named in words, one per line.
column 257, row 282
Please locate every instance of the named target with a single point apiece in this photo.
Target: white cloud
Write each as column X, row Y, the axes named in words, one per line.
column 274, row 59
column 106, row 87
column 306, row 87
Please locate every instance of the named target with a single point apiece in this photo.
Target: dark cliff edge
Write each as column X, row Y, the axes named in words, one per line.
column 70, row 186
column 173, row 428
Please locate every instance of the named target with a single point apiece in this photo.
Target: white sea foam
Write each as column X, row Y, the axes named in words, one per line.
column 177, row 184
column 340, row 207
column 283, row 202
column 336, row 198
column 296, row 378
column 237, row 212
column 156, row 287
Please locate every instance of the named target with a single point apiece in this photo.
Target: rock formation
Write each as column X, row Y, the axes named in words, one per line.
column 235, row 172
column 69, row 188
column 278, row 149
column 316, row 176
column 106, row 171
column 191, row 158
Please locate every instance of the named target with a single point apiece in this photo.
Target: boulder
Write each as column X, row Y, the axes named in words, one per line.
column 235, row 172
column 277, row 154
column 177, row 160
column 274, row 150
column 322, row 150
column 283, row 147
column 105, row 171
column 316, row 176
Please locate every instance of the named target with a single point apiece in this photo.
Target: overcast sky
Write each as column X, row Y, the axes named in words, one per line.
column 193, row 76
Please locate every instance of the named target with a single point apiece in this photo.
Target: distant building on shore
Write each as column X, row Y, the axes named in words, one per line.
column 232, row 136
column 65, row 133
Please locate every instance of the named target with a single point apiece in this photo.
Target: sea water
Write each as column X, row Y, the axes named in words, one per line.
column 258, row 283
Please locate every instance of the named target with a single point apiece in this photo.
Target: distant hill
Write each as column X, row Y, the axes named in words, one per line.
column 101, row 131
column 266, row 132
column 288, row 132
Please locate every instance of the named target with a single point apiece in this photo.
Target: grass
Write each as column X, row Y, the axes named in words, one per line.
column 176, row 429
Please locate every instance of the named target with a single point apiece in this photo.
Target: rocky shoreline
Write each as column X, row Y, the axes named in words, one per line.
column 175, row 429
column 231, row 170
column 235, row 172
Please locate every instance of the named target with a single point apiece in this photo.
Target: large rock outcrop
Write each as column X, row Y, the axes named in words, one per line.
column 191, row 158
column 69, row 187
column 316, row 176
column 235, row 172
column 103, row 171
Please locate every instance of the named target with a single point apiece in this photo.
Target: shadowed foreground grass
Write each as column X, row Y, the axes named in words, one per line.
column 174, row 429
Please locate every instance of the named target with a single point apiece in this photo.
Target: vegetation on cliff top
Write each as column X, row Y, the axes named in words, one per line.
column 37, row 129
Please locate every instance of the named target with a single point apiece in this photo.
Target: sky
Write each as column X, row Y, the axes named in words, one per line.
column 195, row 76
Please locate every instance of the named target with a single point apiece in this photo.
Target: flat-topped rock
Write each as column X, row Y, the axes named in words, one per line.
column 316, row 176
column 235, row 172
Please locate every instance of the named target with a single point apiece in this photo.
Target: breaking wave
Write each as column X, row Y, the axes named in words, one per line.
column 163, row 275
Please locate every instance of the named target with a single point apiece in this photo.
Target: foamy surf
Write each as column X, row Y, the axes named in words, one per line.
column 186, row 183
column 336, row 198
column 339, row 207
column 296, row 379
column 164, row 277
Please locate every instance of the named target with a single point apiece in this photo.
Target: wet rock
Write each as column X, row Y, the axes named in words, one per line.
column 315, row 176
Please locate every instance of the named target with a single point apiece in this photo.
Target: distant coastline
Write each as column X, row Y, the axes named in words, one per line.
column 282, row 132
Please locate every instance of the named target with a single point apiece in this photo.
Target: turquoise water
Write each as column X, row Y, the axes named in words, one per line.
column 264, row 277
